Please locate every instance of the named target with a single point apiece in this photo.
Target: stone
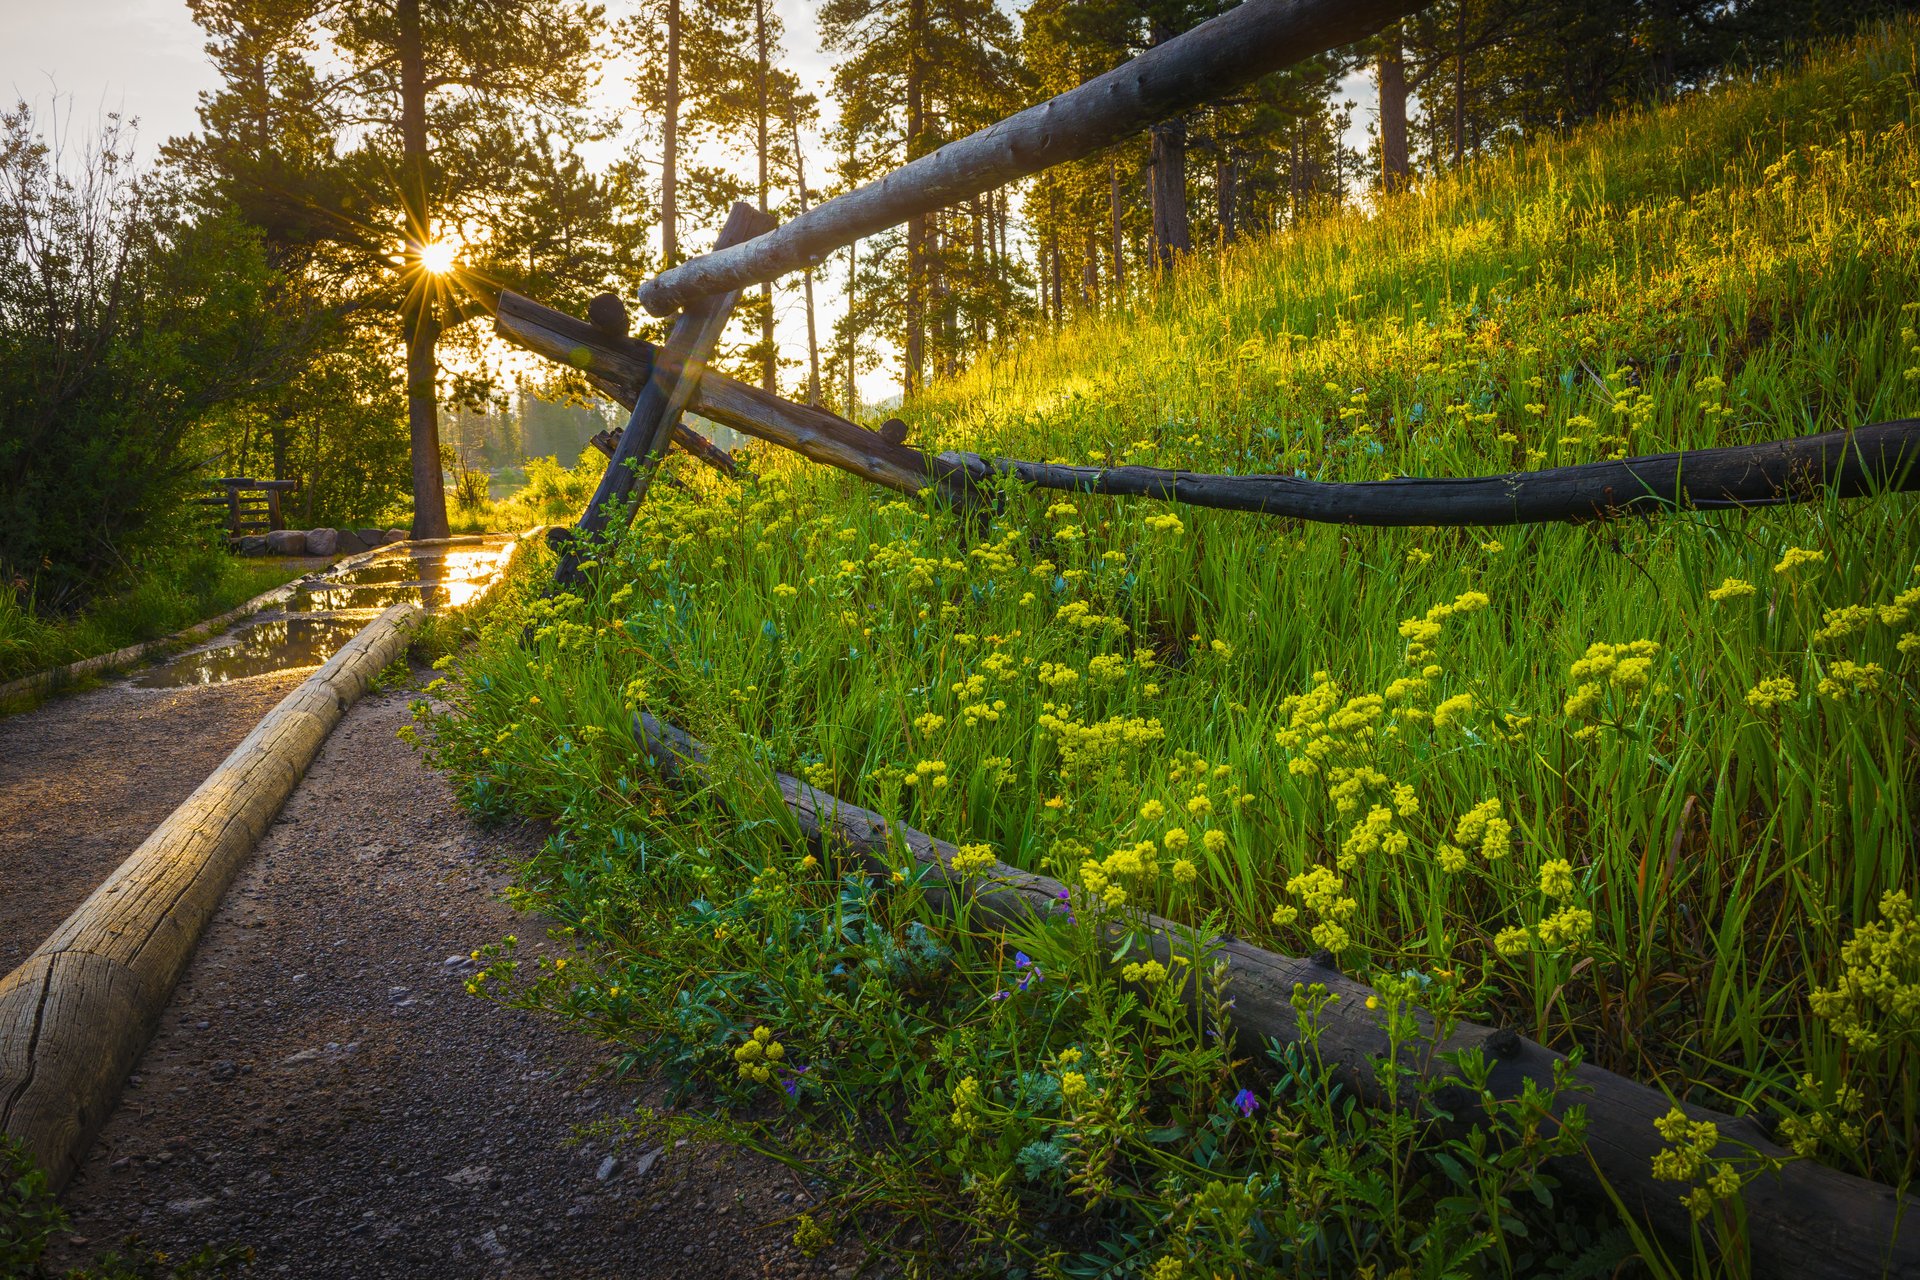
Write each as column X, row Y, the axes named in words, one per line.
column 606, row 1169
column 190, row 1206
column 252, row 544
column 371, row 538
column 322, row 542
column 396, row 535
column 347, row 543
column 645, row 1162
column 287, row 542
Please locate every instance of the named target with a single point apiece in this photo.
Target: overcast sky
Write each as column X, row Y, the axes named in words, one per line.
column 144, row 59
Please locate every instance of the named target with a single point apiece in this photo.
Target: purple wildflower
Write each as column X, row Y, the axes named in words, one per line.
column 1021, row 960
column 1000, row 995
column 1246, row 1102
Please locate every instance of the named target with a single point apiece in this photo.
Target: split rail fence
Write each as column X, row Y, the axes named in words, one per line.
column 1804, row 1219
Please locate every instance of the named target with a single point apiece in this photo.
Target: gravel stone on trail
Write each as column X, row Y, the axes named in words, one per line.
column 322, row 1088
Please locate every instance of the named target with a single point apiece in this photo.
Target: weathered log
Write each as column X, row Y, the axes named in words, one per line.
column 1805, row 1222
column 620, row 366
column 78, row 1012
column 1202, row 65
column 1849, row 464
column 669, row 388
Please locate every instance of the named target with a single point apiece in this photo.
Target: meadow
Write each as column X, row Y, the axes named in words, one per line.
column 1644, row 790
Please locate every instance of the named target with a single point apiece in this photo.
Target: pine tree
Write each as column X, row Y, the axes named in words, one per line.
column 452, row 112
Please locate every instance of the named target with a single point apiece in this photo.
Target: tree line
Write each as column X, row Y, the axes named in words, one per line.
column 349, row 142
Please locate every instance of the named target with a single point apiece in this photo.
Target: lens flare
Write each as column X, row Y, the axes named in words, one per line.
column 439, row 257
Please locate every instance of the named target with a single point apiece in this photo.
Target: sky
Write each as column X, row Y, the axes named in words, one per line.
column 144, row 59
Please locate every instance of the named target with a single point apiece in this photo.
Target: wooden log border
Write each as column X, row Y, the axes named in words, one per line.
column 1805, row 1222
column 78, row 1012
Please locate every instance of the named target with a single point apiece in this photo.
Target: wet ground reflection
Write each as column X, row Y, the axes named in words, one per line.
column 256, row 649
column 326, row 611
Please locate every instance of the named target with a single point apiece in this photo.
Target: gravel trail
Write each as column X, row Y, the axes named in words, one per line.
column 84, row 778
column 323, row 1090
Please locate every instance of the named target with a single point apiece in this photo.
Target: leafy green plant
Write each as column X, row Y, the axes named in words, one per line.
column 29, row 1215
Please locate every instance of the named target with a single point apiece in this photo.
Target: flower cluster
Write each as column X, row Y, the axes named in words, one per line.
column 759, row 1055
column 1689, row 1157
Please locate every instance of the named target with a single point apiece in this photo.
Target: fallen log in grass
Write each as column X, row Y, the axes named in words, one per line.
column 1804, row 1221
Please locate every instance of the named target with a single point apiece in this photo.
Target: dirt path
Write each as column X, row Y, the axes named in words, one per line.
column 322, row 1088
column 84, row 778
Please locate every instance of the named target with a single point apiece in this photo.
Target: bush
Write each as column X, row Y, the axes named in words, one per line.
column 123, row 321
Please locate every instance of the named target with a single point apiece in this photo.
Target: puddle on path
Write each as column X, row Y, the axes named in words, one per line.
column 329, row 609
column 256, row 649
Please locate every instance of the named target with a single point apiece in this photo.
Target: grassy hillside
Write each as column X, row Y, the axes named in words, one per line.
column 1645, row 790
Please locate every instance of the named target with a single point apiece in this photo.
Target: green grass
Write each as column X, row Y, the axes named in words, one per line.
column 1538, row 768
column 164, row 595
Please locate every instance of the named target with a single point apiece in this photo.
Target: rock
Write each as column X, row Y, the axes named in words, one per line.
column 396, row 535
column 322, row 542
column 287, row 542
column 472, row 1175
column 371, row 538
column 347, row 543
column 645, row 1162
column 252, row 544
column 606, row 1168
column 490, row 1245
column 224, row 1070
column 190, row 1206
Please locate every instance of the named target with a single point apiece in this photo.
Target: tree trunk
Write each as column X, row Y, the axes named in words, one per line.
column 917, row 224
column 982, row 244
column 1225, row 181
column 1390, row 75
column 853, row 268
column 1119, row 243
column 769, row 362
column 1459, row 83
column 1294, row 178
column 420, row 325
column 1169, row 151
column 1053, row 255
column 670, row 146
column 813, row 341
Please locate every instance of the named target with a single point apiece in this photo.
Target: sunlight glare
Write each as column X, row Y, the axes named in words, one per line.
column 439, row 256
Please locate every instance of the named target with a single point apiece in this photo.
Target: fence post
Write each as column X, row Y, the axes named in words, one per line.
column 670, row 386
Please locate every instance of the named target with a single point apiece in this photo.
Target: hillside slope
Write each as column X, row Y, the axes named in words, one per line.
column 1645, row 789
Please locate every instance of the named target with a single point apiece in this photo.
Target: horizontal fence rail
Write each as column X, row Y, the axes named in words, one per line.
column 1805, row 1221
column 1199, row 66
column 1847, row 464
column 1869, row 459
